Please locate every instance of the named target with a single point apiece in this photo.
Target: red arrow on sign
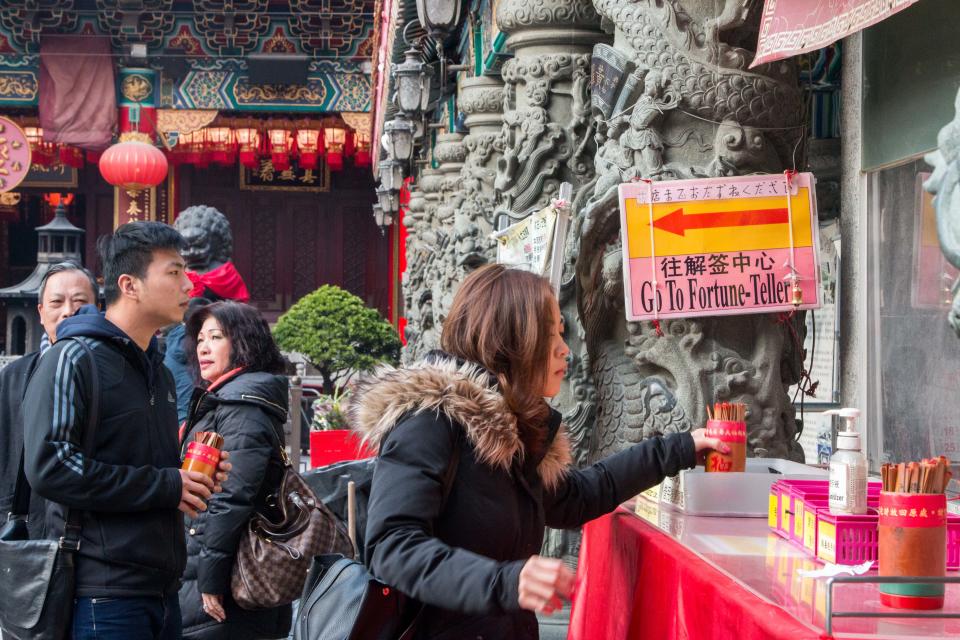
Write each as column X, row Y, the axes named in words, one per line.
column 678, row 222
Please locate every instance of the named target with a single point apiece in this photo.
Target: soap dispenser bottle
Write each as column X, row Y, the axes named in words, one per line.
column 848, row 468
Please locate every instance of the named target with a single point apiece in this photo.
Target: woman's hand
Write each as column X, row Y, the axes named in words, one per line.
column 223, row 472
column 543, row 582
column 702, row 444
column 213, row 606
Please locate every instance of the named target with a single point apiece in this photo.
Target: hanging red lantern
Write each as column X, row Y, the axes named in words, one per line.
column 248, row 145
column 41, row 153
column 280, row 143
column 349, row 145
column 71, row 156
column 362, row 157
column 309, row 145
column 133, row 165
column 220, row 145
column 189, row 149
column 335, row 139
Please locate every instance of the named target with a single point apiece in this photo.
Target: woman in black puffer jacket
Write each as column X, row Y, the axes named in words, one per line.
column 244, row 401
column 468, row 550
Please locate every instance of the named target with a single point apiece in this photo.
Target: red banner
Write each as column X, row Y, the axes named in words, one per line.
column 789, row 28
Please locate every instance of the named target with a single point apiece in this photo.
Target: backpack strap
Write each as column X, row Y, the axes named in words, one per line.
column 73, row 518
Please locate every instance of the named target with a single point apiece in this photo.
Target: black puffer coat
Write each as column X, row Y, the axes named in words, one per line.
column 248, row 411
column 463, row 558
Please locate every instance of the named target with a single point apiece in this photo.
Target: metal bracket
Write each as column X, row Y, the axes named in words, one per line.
column 831, row 614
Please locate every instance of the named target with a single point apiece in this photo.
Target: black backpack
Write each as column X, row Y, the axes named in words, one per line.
column 342, row 601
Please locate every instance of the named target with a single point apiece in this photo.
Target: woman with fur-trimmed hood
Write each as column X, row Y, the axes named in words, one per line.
column 471, row 556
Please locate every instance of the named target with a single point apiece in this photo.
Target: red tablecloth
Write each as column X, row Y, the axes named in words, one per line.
column 637, row 582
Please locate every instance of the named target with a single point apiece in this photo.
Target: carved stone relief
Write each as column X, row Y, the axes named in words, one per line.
column 685, row 105
column 424, row 237
column 548, row 138
column 451, row 153
column 481, row 99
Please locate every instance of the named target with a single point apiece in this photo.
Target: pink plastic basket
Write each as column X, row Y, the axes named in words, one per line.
column 782, row 496
column 846, row 539
column 855, row 538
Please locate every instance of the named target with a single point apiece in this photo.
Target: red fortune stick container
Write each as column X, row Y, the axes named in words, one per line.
column 913, row 542
column 203, row 454
column 734, row 434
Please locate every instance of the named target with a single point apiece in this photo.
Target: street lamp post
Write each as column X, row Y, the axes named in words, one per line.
column 413, row 83
column 438, row 17
column 397, row 139
column 391, row 174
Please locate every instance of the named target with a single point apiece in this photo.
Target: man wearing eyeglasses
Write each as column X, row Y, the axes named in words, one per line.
column 64, row 289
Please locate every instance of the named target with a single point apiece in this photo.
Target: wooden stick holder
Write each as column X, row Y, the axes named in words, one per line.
column 913, row 542
column 734, row 434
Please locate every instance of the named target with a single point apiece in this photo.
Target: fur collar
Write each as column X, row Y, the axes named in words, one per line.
column 463, row 392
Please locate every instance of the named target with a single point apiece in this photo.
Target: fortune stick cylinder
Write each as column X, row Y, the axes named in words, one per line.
column 734, row 435
column 203, row 454
column 913, row 542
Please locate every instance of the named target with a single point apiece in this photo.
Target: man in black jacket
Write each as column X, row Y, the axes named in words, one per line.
column 64, row 288
column 130, row 487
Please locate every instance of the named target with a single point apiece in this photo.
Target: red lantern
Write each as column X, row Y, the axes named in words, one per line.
column 189, row 149
column 280, row 142
column 41, row 153
column 308, row 145
column 71, row 156
column 221, row 145
column 248, row 144
column 362, row 157
column 335, row 139
column 133, row 165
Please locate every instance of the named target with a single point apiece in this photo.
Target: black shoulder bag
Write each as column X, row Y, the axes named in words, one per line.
column 342, row 601
column 37, row 576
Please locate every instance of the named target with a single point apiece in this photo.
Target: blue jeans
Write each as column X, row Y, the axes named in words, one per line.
column 139, row 618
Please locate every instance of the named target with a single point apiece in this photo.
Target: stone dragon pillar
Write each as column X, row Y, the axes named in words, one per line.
column 416, row 251
column 548, row 138
column 481, row 100
column 451, row 153
column 681, row 103
column 423, row 330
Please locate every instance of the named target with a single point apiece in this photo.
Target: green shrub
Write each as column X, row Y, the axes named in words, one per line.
column 336, row 333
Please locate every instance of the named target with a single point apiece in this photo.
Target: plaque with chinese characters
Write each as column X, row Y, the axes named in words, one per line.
column 606, row 75
column 14, row 155
column 720, row 246
column 266, row 177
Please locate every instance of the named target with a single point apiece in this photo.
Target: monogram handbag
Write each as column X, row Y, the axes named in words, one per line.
column 37, row 576
column 274, row 557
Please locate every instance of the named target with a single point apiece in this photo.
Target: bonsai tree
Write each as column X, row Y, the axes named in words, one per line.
column 337, row 333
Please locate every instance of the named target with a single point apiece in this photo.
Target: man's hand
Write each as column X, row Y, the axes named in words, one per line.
column 223, row 471
column 543, row 582
column 195, row 489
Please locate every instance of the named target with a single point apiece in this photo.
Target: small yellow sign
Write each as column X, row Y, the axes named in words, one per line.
column 772, row 511
column 785, row 514
column 810, row 531
column 717, row 226
column 827, row 542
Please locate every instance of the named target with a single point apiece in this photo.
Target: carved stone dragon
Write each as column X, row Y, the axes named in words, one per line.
column 686, row 106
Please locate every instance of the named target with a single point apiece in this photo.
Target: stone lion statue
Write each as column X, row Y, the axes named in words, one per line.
column 944, row 184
